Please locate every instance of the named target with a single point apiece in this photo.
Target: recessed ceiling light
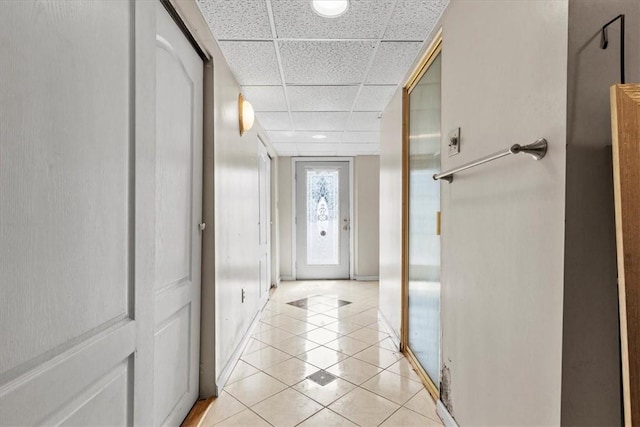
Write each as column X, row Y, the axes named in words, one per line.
column 330, row 8
column 319, row 136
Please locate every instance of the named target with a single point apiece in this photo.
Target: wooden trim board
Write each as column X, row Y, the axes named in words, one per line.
column 625, row 120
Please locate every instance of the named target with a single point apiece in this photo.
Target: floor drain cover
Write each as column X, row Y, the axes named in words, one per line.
column 322, row 377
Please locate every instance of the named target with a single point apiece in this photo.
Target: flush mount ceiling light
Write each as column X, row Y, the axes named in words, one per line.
column 330, row 8
column 245, row 114
column 319, row 136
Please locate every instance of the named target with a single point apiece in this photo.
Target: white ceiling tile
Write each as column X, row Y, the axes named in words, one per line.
column 392, row 62
column 359, row 149
column 253, row 63
column 414, row 19
column 240, row 20
column 318, row 149
column 365, row 19
column 374, row 98
column 265, row 98
column 285, row 147
column 364, row 121
column 361, row 137
column 320, row 121
column 325, row 62
column 321, row 98
column 274, row 121
column 275, row 136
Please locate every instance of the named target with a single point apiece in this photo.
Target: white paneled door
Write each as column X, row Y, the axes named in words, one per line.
column 179, row 91
column 323, row 220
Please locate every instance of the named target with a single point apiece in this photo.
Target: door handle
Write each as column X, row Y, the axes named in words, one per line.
column 202, row 226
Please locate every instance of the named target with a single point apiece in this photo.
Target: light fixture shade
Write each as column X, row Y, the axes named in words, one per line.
column 330, row 8
column 245, row 114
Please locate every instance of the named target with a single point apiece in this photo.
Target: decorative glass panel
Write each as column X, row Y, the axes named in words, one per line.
column 323, row 223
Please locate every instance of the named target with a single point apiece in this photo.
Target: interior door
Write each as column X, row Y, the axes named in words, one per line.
column 264, row 207
column 322, row 220
column 179, row 94
column 423, row 251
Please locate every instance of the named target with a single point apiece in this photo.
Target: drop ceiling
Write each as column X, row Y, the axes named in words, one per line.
column 306, row 75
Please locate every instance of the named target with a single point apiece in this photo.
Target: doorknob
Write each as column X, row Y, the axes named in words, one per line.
column 202, row 226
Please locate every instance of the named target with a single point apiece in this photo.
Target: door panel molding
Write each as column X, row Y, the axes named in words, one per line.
column 73, row 373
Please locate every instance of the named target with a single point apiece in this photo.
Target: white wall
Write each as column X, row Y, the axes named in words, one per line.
column 591, row 351
column 391, row 213
column 504, row 81
column 366, row 198
column 366, row 216
column 236, row 218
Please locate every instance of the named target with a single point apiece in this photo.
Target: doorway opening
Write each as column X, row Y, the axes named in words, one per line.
column 322, row 234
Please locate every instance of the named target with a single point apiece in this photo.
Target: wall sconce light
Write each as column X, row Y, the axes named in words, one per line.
column 245, row 114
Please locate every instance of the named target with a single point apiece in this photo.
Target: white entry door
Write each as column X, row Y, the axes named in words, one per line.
column 322, row 220
column 264, row 207
column 179, row 93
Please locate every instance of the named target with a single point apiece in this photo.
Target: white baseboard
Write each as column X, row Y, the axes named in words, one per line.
column 444, row 415
column 228, row 369
column 368, row 278
column 390, row 330
column 287, row 278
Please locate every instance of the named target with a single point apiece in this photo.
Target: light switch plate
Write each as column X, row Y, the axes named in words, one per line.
column 454, row 142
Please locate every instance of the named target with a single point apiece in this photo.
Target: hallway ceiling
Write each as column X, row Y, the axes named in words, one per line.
column 306, row 75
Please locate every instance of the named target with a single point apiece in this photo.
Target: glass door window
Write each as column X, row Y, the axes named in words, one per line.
column 423, row 222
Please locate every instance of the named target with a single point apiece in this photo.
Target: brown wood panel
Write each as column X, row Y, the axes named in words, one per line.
column 625, row 117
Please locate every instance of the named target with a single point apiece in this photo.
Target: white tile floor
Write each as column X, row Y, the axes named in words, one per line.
column 375, row 385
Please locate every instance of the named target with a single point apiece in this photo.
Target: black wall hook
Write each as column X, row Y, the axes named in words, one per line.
column 604, row 41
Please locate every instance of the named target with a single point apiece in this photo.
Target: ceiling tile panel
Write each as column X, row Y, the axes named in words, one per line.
column 320, row 121
column 276, row 136
column 365, row 19
column 239, row 20
column 274, row 121
column 364, row 121
column 392, row 62
column 414, row 19
column 265, row 98
column 318, row 149
column 253, row 63
column 322, row 98
column 325, row 62
column 361, row 137
column 285, row 147
column 358, row 149
column 374, row 98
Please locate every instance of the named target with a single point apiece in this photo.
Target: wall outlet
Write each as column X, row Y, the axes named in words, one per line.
column 244, row 294
column 454, row 142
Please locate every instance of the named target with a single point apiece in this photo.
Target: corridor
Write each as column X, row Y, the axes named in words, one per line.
column 319, row 356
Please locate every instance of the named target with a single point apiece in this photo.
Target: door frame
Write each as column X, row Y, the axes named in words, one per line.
column 269, row 216
column 434, row 49
column 294, row 249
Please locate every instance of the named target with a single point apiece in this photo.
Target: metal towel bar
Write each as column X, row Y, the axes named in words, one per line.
column 537, row 149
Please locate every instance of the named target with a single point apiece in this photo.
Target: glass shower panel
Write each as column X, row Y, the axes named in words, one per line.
column 323, row 222
column 424, row 207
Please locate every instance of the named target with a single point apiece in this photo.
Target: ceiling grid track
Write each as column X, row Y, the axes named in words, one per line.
column 279, row 59
column 368, row 70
